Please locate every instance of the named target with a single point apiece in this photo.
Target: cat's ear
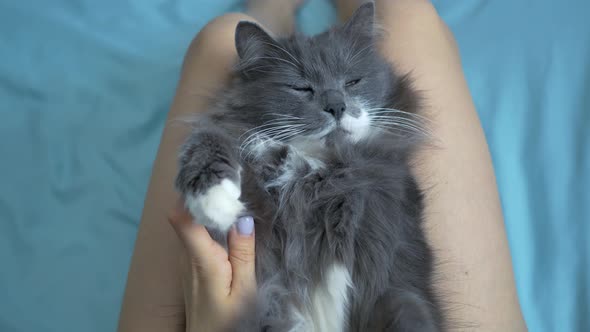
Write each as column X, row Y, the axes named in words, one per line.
column 362, row 21
column 252, row 40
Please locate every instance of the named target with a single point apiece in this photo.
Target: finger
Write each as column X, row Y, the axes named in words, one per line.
column 242, row 256
column 209, row 260
column 194, row 236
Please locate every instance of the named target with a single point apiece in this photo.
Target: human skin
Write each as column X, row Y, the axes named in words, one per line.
column 463, row 216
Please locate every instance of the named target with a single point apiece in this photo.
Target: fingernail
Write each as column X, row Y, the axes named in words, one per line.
column 245, row 225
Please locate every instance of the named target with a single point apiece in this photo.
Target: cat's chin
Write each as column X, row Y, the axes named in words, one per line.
column 340, row 134
column 330, row 134
column 352, row 134
column 355, row 128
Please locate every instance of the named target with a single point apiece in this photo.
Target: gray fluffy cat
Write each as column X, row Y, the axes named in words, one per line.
column 313, row 138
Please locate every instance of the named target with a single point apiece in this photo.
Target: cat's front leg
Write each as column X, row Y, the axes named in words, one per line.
column 209, row 179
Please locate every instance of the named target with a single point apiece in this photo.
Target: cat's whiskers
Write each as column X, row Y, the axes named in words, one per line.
column 287, row 135
column 390, row 119
column 382, row 110
column 275, row 58
column 257, row 136
column 261, row 68
column 259, row 132
column 287, row 116
column 267, row 132
column 258, row 145
column 258, row 69
column 412, row 122
column 353, row 58
column 284, row 120
column 281, row 129
column 274, row 136
column 284, row 50
column 352, row 47
column 399, row 124
column 283, row 135
column 387, row 118
column 401, row 132
column 274, row 122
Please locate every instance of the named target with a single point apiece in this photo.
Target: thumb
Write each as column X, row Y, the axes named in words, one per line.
column 242, row 257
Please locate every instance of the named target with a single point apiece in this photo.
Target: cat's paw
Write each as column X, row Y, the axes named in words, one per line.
column 209, row 178
column 217, row 207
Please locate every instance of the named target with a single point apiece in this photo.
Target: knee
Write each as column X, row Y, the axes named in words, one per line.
column 216, row 40
column 416, row 19
column 423, row 13
column 419, row 11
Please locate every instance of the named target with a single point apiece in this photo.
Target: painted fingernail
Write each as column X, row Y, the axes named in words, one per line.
column 245, row 225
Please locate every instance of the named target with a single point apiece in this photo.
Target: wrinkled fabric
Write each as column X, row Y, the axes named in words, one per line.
column 85, row 87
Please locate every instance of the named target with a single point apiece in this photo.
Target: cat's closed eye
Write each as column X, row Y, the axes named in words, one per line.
column 352, row 82
column 303, row 89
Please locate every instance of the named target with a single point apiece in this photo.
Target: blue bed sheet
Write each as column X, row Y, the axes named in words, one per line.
column 85, row 87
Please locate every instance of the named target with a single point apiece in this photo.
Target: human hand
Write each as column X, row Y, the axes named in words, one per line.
column 215, row 283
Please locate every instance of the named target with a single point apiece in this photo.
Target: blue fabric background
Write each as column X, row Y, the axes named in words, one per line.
column 84, row 90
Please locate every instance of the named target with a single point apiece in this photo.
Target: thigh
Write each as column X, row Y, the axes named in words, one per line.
column 463, row 213
column 464, row 217
column 153, row 298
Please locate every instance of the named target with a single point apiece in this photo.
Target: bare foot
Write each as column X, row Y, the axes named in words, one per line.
column 278, row 16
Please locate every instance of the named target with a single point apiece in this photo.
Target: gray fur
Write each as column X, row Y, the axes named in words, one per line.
column 354, row 202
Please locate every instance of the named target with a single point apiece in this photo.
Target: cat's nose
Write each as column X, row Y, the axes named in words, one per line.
column 336, row 109
column 333, row 101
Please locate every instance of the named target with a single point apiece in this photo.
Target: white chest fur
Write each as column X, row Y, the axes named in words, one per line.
column 329, row 307
column 330, row 300
column 301, row 154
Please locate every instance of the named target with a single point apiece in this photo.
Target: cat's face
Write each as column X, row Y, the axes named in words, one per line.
column 313, row 86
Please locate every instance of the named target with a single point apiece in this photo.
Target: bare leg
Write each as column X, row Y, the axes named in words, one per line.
column 153, row 298
column 276, row 15
column 463, row 212
column 464, row 216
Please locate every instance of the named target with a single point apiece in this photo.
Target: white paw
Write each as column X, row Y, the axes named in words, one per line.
column 218, row 207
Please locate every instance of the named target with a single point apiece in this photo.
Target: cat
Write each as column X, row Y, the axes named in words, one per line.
column 314, row 138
